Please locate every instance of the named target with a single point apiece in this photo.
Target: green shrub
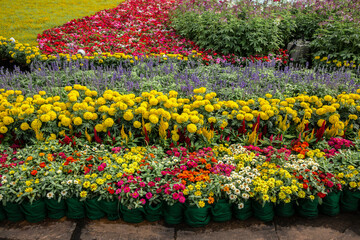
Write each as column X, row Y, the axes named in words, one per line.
column 225, row 33
column 337, row 40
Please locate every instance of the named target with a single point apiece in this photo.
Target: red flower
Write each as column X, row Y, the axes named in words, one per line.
column 321, row 195
column 305, row 186
column 33, row 172
column 42, row 165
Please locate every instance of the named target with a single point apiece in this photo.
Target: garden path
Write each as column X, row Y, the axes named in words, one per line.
column 344, row 226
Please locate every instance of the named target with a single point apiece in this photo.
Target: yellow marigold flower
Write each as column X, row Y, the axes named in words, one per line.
column 77, row 121
column 128, row 116
column 88, row 115
column 68, row 88
column 209, row 108
column 153, row 119
column 249, row 117
column 65, row 121
column 24, row 126
column 191, row 128
column 3, row 129
column 8, row 120
column 99, row 127
column 137, row 124
column 109, row 122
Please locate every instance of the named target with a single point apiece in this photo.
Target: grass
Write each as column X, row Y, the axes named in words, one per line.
column 24, row 19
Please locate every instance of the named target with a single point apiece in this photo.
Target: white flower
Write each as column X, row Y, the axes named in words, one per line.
column 50, row 195
column 3, row 182
column 69, row 181
column 237, row 192
column 247, row 189
column 76, row 182
column 12, row 39
column 241, row 206
column 13, row 183
column 81, row 51
column 63, row 192
column 314, row 168
column 58, row 171
column 245, row 195
column 248, row 180
column 4, row 177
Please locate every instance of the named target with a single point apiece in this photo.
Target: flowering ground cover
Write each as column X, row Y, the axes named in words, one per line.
column 23, row 20
column 117, row 133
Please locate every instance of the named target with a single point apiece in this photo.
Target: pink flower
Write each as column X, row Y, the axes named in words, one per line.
column 126, row 189
column 135, row 195
column 182, row 199
column 175, row 196
column 148, row 195
column 143, row 201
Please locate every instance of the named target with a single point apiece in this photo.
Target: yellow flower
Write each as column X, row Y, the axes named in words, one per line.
column 191, row 128
column 24, row 126
column 109, row 122
column 83, row 194
column 209, row 108
column 77, row 121
column 137, row 124
column 153, row 119
column 86, row 183
column 197, row 193
column 3, row 129
column 201, row 204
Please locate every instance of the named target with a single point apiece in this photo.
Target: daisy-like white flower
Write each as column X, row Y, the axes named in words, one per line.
column 240, row 205
column 245, row 196
column 237, row 192
column 50, row 195
column 247, row 189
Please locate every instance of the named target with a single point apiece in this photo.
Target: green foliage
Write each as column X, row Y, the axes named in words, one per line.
column 338, row 40
column 225, row 33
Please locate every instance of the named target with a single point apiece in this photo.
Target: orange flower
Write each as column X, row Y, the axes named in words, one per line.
column 211, row 200
column 41, row 154
column 29, row 158
column 226, row 189
column 208, row 166
column 50, row 157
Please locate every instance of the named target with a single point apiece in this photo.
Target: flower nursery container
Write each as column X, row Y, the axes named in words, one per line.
column 35, row 211
column 197, row 217
column 13, row 212
column 174, row 214
column 331, row 204
column 2, row 213
column 308, row 208
column 55, row 209
column 93, row 209
column 285, row 209
column 135, row 215
column 153, row 212
column 263, row 212
column 350, row 201
column 221, row 211
column 75, row 208
column 245, row 212
column 111, row 208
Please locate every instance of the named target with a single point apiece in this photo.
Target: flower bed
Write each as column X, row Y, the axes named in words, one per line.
column 55, row 179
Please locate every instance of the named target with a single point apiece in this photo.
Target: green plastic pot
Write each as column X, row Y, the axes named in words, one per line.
column 135, row 215
column 221, row 211
column 174, row 214
column 13, row 212
column 35, row 211
column 111, row 208
column 331, row 204
column 285, row 209
column 153, row 212
column 55, row 209
column 197, row 217
column 350, row 201
column 263, row 212
column 75, row 208
column 244, row 213
column 308, row 208
column 93, row 209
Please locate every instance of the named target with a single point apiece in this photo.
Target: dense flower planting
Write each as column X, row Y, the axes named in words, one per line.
column 159, row 134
